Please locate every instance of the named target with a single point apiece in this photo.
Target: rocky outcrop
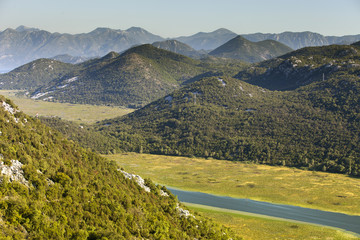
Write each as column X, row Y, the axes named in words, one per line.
column 183, row 212
column 14, row 172
column 141, row 182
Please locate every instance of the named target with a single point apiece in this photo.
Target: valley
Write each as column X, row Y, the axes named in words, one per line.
column 325, row 191
column 78, row 113
column 260, row 182
column 255, row 120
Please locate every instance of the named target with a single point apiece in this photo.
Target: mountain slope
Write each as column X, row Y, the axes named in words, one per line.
column 304, row 66
column 134, row 78
column 225, row 118
column 240, row 48
column 18, row 47
column 208, row 41
column 178, row 47
column 53, row 189
column 66, row 58
column 34, row 74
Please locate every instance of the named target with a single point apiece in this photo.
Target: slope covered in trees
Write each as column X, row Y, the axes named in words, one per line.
column 304, row 66
column 34, row 74
column 315, row 127
column 135, row 78
column 53, row 189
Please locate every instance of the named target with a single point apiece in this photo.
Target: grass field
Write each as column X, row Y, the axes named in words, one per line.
column 326, row 191
column 253, row 227
column 80, row 113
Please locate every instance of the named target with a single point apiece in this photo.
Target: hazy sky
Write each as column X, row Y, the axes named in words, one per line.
column 169, row 18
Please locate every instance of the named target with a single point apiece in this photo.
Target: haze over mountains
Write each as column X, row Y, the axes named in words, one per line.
column 22, row 45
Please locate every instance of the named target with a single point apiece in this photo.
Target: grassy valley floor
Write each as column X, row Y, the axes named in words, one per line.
column 325, row 191
column 254, row 227
column 332, row 192
column 80, row 113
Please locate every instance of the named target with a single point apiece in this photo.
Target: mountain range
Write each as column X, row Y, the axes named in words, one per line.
column 134, row 78
column 22, row 45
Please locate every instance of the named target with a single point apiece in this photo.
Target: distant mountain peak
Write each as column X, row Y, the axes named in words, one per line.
column 243, row 49
column 23, row 28
column 136, row 29
column 223, row 31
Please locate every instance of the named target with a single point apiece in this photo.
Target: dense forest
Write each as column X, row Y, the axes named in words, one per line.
column 315, row 125
column 51, row 188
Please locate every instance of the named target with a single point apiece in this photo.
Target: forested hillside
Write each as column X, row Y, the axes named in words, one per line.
column 304, row 66
column 315, row 127
column 53, row 189
column 34, row 74
column 133, row 79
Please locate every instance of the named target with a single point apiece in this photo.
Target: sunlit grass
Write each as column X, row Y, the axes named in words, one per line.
column 80, row 113
column 326, row 191
column 254, row 227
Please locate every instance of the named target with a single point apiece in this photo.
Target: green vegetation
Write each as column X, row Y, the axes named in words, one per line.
column 71, row 193
column 78, row 113
column 243, row 49
column 316, row 127
column 326, row 191
column 178, row 47
column 304, row 66
column 252, row 227
column 133, row 79
column 34, row 74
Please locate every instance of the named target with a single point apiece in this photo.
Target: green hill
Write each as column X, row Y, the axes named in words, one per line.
column 34, row 74
column 243, row 49
column 134, row 78
column 304, row 66
column 316, row 127
column 53, row 189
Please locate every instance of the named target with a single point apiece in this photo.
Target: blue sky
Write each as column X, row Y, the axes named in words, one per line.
column 169, row 18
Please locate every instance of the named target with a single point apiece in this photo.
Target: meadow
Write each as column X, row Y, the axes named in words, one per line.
column 255, row 227
column 325, row 191
column 80, row 113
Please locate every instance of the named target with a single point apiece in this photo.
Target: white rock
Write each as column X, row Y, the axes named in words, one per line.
column 14, row 172
column 7, row 107
column 139, row 180
column 183, row 212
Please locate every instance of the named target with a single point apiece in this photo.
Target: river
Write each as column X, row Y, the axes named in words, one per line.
column 339, row 220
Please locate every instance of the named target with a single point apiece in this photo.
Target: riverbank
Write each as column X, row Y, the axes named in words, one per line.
column 285, row 212
column 251, row 226
column 317, row 190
